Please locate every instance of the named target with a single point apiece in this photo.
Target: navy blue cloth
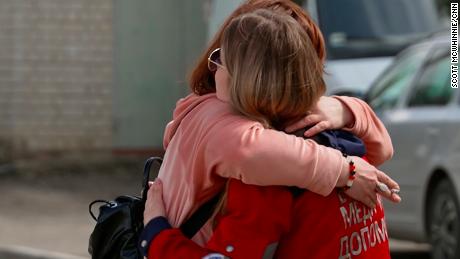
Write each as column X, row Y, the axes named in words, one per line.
column 150, row 231
column 343, row 141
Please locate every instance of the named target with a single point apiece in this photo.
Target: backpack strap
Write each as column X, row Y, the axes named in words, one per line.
column 146, row 176
column 192, row 225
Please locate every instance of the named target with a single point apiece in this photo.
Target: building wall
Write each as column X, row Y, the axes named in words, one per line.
column 93, row 75
column 56, row 75
column 219, row 11
column 156, row 45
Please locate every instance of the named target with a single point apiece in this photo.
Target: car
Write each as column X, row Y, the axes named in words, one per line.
column 415, row 100
column 363, row 36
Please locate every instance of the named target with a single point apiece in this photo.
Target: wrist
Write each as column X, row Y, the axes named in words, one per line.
column 343, row 178
column 150, row 231
column 348, row 117
column 347, row 175
column 351, row 172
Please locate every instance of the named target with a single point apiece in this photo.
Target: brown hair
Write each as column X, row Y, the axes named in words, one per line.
column 202, row 80
column 275, row 75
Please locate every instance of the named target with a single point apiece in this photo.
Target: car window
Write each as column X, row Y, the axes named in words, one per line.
column 386, row 92
column 433, row 89
column 361, row 28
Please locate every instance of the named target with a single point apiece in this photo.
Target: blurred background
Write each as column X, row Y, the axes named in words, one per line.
column 87, row 87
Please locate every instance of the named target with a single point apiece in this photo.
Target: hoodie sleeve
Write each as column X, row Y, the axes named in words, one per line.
column 260, row 156
column 168, row 134
column 368, row 127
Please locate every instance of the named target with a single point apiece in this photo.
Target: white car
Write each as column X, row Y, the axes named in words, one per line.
column 363, row 36
column 421, row 111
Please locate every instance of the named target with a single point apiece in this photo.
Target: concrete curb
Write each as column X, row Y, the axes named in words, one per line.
column 20, row 252
column 397, row 245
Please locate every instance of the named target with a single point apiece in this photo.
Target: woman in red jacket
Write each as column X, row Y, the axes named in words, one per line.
column 255, row 218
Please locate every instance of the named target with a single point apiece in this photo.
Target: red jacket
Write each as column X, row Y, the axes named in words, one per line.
column 335, row 226
column 257, row 218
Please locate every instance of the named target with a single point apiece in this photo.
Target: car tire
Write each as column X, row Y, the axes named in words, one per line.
column 443, row 222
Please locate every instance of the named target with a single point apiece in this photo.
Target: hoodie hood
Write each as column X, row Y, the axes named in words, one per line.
column 183, row 107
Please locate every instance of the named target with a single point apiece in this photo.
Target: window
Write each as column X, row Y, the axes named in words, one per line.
column 372, row 28
column 386, row 92
column 433, row 89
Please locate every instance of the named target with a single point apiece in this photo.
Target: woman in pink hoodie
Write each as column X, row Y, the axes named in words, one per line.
column 209, row 141
column 256, row 221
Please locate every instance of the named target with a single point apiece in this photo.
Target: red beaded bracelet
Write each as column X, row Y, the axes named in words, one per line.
column 351, row 170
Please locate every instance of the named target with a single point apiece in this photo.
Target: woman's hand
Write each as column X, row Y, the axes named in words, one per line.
column 154, row 206
column 367, row 177
column 329, row 113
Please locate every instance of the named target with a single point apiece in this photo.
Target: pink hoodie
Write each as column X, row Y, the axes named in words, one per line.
column 207, row 142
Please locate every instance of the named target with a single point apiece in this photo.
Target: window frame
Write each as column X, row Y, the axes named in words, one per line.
column 422, row 48
column 434, row 51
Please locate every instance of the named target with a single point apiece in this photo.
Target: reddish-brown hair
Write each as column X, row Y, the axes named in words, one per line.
column 202, row 80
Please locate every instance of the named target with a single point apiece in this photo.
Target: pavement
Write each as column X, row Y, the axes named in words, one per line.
column 44, row 209
column 22, row 252
column 44, row 215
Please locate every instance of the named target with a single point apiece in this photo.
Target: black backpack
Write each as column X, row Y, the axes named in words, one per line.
column 120, row 222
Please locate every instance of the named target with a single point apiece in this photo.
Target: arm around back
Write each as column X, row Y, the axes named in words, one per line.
column 255, row 155
column 368, row 127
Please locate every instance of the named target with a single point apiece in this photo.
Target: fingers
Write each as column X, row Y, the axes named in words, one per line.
column 150, row 185
column 154, row 207
column 319, row 127
column 369, row 198
column 156, row 186
column 371, row 203
column 395, row 198
column 306, row 121
column 392, row 188
column 389, row 195
column 372, row 200
column 383, row 189
column 155, row 189
column 383, row 178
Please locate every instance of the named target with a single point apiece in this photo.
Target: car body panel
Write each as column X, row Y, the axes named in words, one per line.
column 353, row 74
column 426, row 140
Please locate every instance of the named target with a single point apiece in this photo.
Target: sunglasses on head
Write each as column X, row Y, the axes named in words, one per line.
column 214, row 61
